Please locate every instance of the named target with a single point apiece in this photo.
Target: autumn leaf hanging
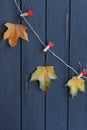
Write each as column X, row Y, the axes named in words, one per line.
column 14, row 32
column 44, row 74
column 76, row 84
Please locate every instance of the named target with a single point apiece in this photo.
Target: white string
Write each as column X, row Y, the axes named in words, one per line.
column 56, row 56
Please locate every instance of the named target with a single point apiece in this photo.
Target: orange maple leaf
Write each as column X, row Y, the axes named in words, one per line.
column 14, row 32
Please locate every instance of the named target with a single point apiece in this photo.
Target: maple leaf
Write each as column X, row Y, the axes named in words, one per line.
column 44, row 74
column 14, row 32
column 76, row 84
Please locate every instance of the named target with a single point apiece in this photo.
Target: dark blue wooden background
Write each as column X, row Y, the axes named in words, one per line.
column 23, row 106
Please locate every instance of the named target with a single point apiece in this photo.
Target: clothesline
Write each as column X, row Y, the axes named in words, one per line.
column 37, row 36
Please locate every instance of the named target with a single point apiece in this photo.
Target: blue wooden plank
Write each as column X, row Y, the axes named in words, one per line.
column 9, row 73
column 32, row 56
column 78, row 45
column 56, row 99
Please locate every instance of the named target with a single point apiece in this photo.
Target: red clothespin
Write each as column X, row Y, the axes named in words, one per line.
column 83, row 72
column 28, row 13
column 50, row 44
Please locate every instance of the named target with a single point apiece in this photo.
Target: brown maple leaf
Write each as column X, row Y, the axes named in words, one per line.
column 14, row 32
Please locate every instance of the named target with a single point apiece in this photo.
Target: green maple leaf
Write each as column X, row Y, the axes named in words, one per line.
column 44, row 74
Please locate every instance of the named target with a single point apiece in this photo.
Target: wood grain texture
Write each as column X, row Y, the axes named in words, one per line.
column 23, row 106
column 32, row 56
column 9, row 72
column 56, row 99
column 78, row 45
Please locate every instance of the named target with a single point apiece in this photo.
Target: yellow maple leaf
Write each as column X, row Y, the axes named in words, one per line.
column 14, row 32
column 76, row 84
column 44, row 75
